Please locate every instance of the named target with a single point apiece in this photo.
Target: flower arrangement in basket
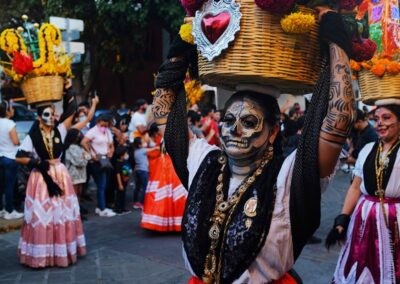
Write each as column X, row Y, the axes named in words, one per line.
column 269, row 42
column 379, row 76
column 35, row 60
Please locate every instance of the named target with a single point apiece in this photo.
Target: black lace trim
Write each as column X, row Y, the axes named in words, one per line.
column 241, row 245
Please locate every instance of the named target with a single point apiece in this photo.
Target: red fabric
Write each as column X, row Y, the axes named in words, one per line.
column 213, row 125
column 285, row 279
column 195, row 280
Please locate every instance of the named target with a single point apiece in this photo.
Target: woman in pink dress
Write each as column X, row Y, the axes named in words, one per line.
column 52, row 233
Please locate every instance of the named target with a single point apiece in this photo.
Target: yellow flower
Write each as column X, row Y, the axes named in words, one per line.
column 193, row 89
column 297, row 23
column 186, row 33
column 11, row 40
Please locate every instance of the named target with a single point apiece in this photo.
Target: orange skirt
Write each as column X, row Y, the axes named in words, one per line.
column 165, row 197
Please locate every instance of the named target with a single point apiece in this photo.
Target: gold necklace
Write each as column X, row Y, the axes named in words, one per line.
column 223, row 209
column 48, row 142
column 380, row 166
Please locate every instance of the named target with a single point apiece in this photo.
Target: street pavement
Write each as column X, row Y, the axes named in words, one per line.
column 119, row 251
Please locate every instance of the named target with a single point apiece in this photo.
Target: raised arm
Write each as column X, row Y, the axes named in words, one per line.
column 82, row 124
column 341, row 111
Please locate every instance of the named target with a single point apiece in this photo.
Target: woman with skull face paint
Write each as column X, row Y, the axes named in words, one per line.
column 249, row 213
column 52, row 233
column 369, row 223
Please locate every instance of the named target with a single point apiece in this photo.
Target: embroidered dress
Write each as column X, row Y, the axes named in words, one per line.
column 165, row 197
column 52, row 233
column 371, row 253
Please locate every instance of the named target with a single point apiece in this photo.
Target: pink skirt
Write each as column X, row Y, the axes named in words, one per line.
column 52, row 233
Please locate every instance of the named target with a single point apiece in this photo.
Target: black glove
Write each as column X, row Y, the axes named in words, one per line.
column 332, row 29
column 43, row 167
column 69, row 105
column 334, row 236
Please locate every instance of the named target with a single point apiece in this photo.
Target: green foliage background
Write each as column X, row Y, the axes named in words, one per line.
column 115, row 30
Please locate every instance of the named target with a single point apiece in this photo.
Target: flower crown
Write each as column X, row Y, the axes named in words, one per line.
column 34, row 51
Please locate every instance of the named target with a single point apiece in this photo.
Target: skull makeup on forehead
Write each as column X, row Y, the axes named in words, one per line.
column 48, row 116
column 244, row 132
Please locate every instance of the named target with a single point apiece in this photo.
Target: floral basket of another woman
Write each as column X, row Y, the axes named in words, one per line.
column 35, row 61
column 379, row 76
column 268, row 42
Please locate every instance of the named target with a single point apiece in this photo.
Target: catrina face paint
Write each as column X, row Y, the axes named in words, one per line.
column 47, row 116
column 244, row 132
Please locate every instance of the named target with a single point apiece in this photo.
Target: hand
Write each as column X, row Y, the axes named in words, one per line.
column 68, row 84
column 121, row 188
column 95, row 100
column 322, row 10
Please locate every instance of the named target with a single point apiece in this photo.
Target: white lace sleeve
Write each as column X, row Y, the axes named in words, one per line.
column 198, row 150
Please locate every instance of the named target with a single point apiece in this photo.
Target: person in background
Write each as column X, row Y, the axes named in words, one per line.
column 141, row 172
column 194, row 122
column 98, row 141
column 122, row 172
column 165, row 196
column 52, row 233
column 364, row 134
column 368, row 223
column 210, row 127
column 76, row 158
column 8, row 149
column 138, row 124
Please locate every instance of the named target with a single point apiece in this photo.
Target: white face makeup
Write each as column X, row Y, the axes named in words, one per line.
column 48, row 116
column 244, row 132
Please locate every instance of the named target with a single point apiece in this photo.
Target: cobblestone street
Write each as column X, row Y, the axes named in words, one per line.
column 119, row 251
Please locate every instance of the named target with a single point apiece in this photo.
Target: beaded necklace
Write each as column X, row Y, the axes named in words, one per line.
column 381, row 164
column 222, row 216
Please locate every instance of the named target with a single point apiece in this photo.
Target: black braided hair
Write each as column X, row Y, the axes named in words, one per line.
column 305, row 191
column 177, row 137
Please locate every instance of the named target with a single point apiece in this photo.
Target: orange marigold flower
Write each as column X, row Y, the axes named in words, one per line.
column 365, row 65
column 355, row 66
column 393, row 67
column 378, row 69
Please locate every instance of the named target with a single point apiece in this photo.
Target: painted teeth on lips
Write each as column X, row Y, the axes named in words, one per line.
column 241, row 144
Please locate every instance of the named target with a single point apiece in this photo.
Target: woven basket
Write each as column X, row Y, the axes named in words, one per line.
column 263, row 53
column 373, row 88
column 43, row 89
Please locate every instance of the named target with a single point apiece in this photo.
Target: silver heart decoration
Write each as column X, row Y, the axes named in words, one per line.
column 214, row 8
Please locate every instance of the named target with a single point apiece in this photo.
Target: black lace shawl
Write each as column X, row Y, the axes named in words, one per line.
column 38, row 144
column 241, row 245
column 370, row 182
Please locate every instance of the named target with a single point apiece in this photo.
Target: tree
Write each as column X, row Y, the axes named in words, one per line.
column 114, row 29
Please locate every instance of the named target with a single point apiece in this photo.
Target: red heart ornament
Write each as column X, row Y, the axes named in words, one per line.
column 214, row 26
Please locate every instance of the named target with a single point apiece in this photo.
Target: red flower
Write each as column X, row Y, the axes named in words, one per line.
column 22, row 64
column 348, row 4
column 275, row 6
column 363, row 49
column 191, row 6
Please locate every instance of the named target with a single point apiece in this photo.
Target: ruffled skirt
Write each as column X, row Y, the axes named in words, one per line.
column 371, row 253
column 52, row 233
column 165, row 197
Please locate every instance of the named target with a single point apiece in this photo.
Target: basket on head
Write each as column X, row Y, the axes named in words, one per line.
column 262, row 53
column 43, row 89
column 374, row 88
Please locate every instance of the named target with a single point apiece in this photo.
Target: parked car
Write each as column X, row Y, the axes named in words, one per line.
column 24, row 119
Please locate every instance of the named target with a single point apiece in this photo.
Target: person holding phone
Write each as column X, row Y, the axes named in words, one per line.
column 8, row 148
